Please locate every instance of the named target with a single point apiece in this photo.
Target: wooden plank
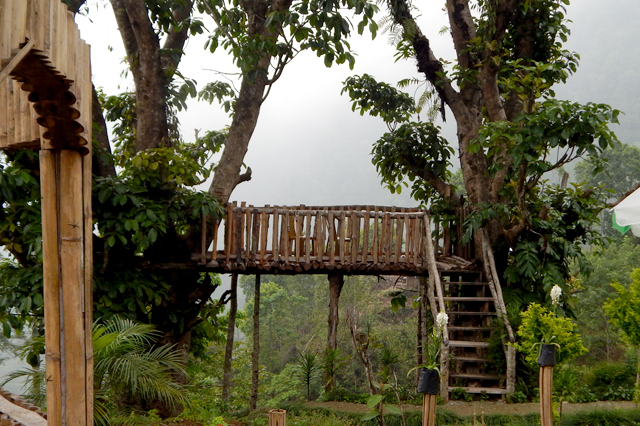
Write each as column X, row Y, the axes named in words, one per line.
column 420, row 233
column 61, row 45
column 16, row 58
column 399, row 233
column 365, row 237
column 320, row 241
column 246, row 230
column 228, row 231
column 384, row 237
column 342, row 240
column 355, row 237
column 410, row 222
column 274, row 241
column 375, row 242
column 19, row 23
column 264, row 233
column 71, row 252
column 17, row 112
column 307, row 237
column 4, row 104
column 48, row 7
column 255, row 234
column 286, row 238
column 237, row 219
column 215, row 225
column 332, row 239
column 50, row 262
column 87, row 213
column 6, row 13
column 11, row 111
column 316, row 233
column 296, row 234
column 86, row 95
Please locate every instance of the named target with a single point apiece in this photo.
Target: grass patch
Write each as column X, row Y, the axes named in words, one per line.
column 602, row 417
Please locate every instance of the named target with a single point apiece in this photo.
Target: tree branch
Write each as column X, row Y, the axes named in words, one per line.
column 462, row 31
column 177, row 36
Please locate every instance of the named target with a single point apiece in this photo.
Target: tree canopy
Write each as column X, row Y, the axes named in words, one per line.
column 512, row 132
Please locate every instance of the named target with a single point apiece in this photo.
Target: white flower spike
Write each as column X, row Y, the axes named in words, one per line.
column 441, row 320
column 556, row 293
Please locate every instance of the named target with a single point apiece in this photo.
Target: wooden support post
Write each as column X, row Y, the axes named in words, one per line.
column 429, row 403
column 67, row 262
column 546, row 389
column 277, row 417
column 255, row 354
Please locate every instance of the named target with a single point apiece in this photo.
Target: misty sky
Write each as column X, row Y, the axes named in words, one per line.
column 308, row 147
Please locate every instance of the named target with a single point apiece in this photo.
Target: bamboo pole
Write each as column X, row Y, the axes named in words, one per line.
column 67, row 286
column 546, row 390
column 429, row 403
column 277, row 418
column 51, row 260
column 73, row 309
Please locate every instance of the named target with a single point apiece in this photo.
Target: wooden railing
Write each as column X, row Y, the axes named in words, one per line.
column 351, row 238
column 448, row 236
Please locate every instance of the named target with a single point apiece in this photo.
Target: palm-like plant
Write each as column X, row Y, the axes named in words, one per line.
column 129, row 366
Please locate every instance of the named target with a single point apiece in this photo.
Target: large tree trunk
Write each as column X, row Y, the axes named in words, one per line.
column 336, row 282
column 255, row 355
column 231, row 329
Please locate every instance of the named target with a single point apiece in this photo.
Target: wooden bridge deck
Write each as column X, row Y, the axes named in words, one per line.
column 360, row 240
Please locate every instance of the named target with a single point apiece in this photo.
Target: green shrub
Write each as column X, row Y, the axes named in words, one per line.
column 345, row 395
column 613, row 381
column 516, row 398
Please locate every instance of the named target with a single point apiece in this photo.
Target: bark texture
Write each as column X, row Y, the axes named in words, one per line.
column 231, row 329
column 336, row 282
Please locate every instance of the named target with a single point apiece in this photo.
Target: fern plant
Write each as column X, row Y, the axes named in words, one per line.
column 129, row 366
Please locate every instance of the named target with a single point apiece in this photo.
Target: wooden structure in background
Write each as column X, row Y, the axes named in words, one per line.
column 368, row 240
column 363, row 240
column 45, row 104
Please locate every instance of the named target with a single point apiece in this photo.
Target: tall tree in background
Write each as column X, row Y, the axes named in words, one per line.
column 511, row 131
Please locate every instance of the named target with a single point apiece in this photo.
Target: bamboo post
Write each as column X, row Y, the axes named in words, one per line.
column 277, row 417
column 429, row 403
column 546, row 388
column 67, row 286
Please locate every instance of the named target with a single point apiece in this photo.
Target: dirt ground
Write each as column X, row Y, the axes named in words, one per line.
column 488, row 407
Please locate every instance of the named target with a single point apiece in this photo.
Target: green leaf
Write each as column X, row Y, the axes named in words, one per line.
column 374, row 400
column 370, row 415
column 393, row 409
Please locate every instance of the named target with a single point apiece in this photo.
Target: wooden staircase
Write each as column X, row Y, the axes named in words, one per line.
column 471, row 311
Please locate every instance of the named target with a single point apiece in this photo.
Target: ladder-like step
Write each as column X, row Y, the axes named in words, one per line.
column 468, row 328
column 478, row 376
column 470, row 359
column 467, row 344
column 467, row 299
column 465, row 282
column 489, row 391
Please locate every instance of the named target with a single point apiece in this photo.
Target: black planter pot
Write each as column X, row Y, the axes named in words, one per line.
column 547, row 356
column 429, row 381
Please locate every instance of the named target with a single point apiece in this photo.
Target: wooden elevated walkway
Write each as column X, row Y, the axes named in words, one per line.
column 316, row 240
